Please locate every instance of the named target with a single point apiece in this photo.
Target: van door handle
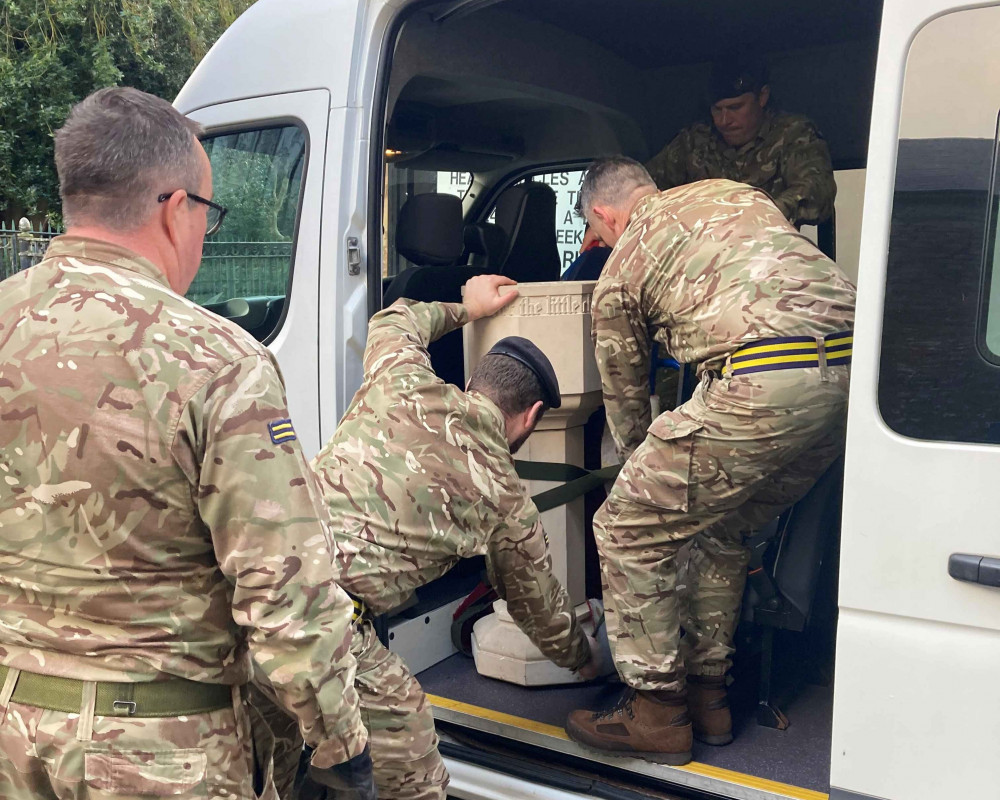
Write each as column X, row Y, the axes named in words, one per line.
column 974, row 569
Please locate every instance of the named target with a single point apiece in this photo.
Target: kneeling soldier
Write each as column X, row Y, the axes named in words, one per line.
column 419, row 475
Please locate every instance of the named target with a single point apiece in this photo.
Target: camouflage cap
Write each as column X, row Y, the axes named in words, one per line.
column 525, row 351
column 736, row 75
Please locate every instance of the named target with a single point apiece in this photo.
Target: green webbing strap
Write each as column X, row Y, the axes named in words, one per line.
column 578, row 481
column 171, row 698
column 548, row 471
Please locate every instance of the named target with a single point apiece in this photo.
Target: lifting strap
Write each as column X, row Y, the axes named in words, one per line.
column 575, row 481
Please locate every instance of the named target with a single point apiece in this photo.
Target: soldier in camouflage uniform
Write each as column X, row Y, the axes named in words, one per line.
column 783, row 154
column 419, row 475
column 715, row 274
column 162, row 531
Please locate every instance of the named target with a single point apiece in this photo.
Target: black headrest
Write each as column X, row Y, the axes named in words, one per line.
column 429, row 230
column 527, row 214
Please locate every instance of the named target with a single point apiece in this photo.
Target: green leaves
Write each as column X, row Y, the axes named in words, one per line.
column 54, row 53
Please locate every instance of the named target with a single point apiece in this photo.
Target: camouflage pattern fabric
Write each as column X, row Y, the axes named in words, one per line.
column 730, row 459
column 704, row 269
column 51, row 755
column 400, row 727
column 788, row 159
column 419, row 474
column 158, row 517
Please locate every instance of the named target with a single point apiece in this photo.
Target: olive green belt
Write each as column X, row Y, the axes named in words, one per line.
column 171, row 698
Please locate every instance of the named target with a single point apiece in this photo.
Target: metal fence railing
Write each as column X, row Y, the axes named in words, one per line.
column 241, row 269
column 228, row 269
column 22, row 247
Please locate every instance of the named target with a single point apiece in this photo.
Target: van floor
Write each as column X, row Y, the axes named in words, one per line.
column 799, row 756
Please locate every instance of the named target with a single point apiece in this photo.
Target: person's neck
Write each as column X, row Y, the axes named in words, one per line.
column 136, row 241
column 640, row 194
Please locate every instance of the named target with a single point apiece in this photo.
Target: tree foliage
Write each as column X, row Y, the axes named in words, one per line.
column 54, row 53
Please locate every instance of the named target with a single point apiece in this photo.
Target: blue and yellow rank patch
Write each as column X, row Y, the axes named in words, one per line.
column 281, row 431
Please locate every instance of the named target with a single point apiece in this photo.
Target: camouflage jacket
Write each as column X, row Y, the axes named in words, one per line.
column 419, row 475
column 788, row 159
column 158, row 517
column 703, row 269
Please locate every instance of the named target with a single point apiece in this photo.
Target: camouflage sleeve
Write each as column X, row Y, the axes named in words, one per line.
column 257, row 496
column 668, row 168
column 622, row 342
column 400, row 333
column 808, row 176
column 520, row 569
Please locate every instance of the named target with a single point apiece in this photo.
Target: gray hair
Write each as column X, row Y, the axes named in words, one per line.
column 117, row 151
column 611, row 182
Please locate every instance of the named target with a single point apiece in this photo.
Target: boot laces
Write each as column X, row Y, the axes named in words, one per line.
column 623, row 706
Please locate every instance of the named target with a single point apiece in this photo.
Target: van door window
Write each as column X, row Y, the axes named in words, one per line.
column 939, row 371
column 246, row 266
column 990, row 339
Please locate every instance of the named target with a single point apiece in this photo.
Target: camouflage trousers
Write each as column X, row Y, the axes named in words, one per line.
column 394, row 709
column 729, row 460
column 53, row 755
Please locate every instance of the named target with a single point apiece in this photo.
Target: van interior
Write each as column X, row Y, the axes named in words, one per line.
column 506, row 94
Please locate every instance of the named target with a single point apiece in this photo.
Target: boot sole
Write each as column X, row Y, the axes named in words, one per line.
column 716, row 740
column 668, row 759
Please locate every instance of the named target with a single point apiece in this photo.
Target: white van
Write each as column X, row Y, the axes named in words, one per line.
column 326, row 118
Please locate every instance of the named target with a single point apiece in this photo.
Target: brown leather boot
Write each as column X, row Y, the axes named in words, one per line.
column 650, row 725
column 709, row 709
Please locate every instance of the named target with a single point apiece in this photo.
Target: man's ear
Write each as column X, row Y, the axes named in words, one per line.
column 764, row 95
column 605, row 215
column 533, row 415
column 170, row 216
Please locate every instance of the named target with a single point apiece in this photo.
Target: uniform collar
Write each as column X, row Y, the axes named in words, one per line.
column 106, row 253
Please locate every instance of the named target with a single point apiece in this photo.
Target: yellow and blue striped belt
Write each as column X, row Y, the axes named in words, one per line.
column 360, row 609
column 791, row 352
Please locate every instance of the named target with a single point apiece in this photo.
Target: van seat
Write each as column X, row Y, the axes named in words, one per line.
column 485, row 245
column 526, row 213
column 788, row 562
column 430, row 234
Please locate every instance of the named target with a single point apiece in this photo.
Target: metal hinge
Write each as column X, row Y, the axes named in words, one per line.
column 353, row 255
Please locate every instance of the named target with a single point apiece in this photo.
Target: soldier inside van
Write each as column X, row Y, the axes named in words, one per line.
column 418, row 475
column 714, row 272
column 783, row 154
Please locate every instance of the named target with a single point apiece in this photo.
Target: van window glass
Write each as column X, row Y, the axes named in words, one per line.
column 939, row 368
column 991, row 288
column 402, row 183
column 245, row 268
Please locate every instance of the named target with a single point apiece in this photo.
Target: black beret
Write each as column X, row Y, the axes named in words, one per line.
column 737, row 75
column 525, row 351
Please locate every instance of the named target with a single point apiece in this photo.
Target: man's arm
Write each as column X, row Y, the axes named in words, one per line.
column 520, row 569
column 807, row 172
column 257, row 497
column 400, row 333
column 669, row 167
column 622, row 342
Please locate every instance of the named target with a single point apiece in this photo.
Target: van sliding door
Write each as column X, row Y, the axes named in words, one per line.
column 916, row 696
